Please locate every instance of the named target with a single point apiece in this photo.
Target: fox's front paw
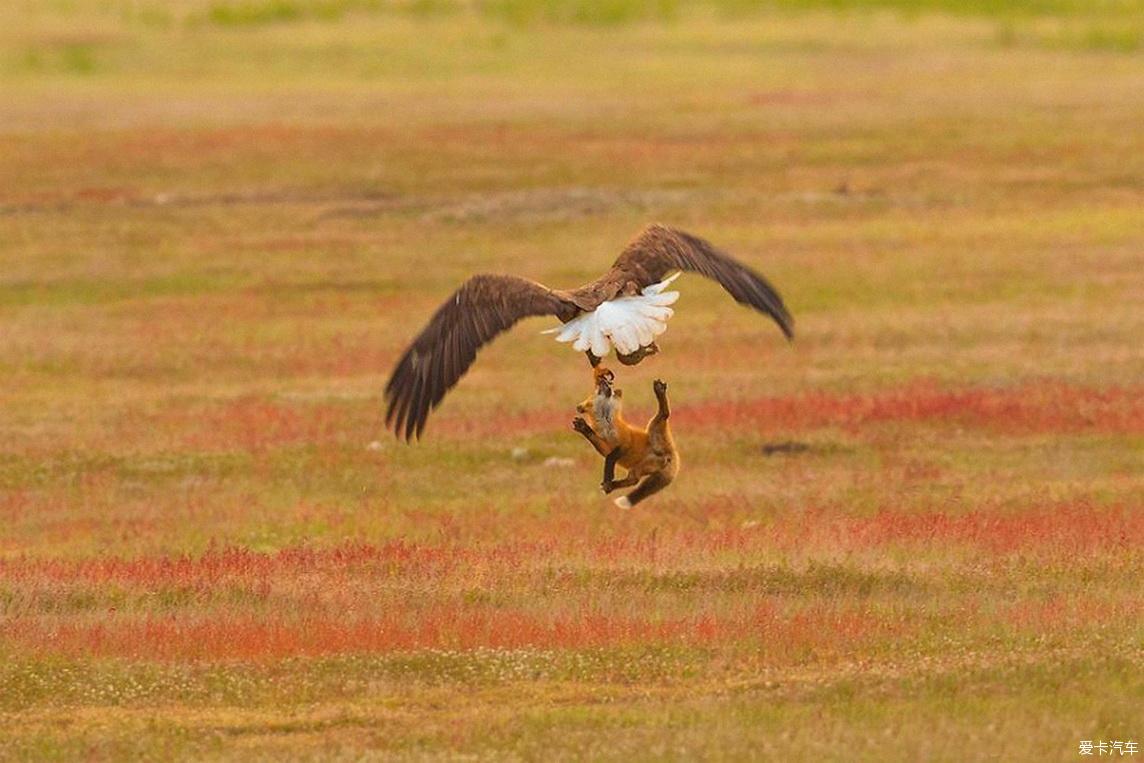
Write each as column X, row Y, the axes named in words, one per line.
column 607, row 486
column 581, row 426
column 659, row 386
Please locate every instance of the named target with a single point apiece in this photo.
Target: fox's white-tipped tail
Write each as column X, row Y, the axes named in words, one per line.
column 626, row 323
column 623, row 502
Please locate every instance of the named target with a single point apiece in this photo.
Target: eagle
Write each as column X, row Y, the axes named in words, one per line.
column 624, row 309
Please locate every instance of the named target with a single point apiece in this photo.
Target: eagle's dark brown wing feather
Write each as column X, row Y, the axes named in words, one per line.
column 660, row 251
column 483, row 307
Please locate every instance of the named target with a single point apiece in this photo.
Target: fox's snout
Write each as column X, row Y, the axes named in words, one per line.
column 604, row 380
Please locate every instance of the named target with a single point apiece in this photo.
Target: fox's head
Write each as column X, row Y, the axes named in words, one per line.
column 605, row 393
column 603, row 379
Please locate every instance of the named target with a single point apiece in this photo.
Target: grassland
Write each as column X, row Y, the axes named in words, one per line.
column 913, row 534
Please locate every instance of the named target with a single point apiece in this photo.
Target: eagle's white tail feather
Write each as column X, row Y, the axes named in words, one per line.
column 627, row 323
column 644, row 335
column 656, row 288
column 599, row 343
column 626, row 335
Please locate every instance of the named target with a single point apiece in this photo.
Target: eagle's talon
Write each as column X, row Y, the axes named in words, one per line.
column 633, row 358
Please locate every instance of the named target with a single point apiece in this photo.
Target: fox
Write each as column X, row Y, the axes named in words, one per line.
column 649, row 454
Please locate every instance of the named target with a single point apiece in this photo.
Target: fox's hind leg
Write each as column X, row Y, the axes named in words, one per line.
column 650, row 486
column 610, row 483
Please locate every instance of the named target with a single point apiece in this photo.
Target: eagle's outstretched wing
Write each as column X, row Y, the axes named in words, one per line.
column 659, row 251
column 483, row 307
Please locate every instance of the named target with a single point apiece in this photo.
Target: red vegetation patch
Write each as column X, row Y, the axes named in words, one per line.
column 499, row 423
column 1057, row 529
column 188, row 149
column 1047, row 407
column 1024, row 409
column 817, row 628
column 255, row 424
column 239, row 637
column 105, row 195
column 822, row 629
column 1066, row 528
column 1077, row 612
column 1070, row 528
column 228, row 564
column 233, row 603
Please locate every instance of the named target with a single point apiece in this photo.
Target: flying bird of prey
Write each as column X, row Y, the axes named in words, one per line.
column 624, row 309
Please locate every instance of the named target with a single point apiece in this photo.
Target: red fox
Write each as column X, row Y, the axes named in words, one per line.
column 648, row 454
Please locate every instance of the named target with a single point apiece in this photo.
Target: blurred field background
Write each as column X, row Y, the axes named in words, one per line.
column 913, row 534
